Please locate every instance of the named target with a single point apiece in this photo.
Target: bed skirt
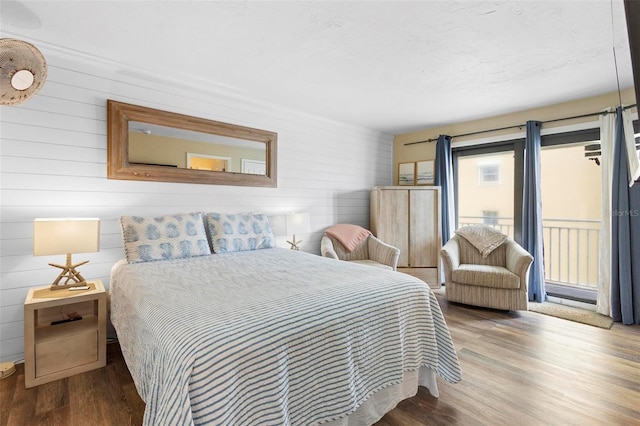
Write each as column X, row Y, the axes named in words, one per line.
column 383, row 401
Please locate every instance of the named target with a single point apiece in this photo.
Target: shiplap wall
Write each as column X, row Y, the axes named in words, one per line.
column 53, row 164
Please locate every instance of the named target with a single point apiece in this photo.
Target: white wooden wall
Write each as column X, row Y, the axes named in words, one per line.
column 53, row 164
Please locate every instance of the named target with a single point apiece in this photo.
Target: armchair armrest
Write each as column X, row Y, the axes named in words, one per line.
column 326, row 248
column 382, row 252
column 450, row 254
column 518, row 259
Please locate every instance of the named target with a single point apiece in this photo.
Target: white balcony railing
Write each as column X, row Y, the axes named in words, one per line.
column 571, row 248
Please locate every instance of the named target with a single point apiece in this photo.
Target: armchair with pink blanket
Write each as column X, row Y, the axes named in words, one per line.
column 356, row 244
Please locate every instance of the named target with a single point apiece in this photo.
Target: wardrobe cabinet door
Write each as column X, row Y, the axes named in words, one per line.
column 424, row 220
column 393, row 221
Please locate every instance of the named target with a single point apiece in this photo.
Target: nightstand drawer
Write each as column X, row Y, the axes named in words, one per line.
column 67, row 352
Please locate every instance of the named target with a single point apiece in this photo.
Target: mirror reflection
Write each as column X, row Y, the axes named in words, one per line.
column 149, row 144
column 153, row 144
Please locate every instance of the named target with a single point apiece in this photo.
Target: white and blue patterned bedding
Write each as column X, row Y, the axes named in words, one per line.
column 273, row 337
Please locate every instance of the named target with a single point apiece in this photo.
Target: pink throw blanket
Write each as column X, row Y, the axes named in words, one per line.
column 349, row 235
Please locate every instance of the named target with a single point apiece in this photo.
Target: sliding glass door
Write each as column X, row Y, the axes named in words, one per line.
column 489, row 190
column 571, row 211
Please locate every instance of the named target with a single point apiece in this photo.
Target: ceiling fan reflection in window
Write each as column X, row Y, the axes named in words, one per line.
column 593, row 151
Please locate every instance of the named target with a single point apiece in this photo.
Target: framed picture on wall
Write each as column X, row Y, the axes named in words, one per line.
column 425, row 172
column 406, row 173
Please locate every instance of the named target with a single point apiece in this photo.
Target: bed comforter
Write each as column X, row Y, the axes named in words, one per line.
column 273, row 337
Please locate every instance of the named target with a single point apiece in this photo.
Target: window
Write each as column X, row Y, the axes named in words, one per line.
column 497, row 202
column 489, row 173
column 490, row 217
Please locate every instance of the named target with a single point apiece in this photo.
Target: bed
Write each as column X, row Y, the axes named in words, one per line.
column 271, row 336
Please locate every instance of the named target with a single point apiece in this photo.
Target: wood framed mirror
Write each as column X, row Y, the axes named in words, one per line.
column 154, row 145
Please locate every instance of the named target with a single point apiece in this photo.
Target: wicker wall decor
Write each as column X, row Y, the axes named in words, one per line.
column 23, row 71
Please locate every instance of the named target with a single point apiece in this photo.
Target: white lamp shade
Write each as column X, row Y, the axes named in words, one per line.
column 278, row 225
column 298, row 223
column 64, row 236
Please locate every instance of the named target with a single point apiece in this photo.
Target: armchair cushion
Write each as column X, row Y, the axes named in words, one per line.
column 486, row 276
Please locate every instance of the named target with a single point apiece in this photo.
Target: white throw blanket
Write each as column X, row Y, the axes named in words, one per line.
column 485, row 238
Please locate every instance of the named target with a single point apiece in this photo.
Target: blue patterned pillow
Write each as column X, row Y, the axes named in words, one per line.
column 165, row 237
column 239, row 232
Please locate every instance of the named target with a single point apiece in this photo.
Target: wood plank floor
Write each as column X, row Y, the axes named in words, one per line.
column 519, row 368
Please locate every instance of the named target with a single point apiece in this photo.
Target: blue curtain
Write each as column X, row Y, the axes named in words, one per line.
column 444, row 179
column 532, row 212
column 625, row 235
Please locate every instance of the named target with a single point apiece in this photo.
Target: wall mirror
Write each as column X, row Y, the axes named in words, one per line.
column 154, row 145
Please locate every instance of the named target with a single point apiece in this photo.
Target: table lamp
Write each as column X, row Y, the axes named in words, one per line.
column 297, row 223
column 66, row 236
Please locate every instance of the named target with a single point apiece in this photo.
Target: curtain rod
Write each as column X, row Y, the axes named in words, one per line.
column 519, row 126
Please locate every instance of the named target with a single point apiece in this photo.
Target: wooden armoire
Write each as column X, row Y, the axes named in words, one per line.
column 408, row 217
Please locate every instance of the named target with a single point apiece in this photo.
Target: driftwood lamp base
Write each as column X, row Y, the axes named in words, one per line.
column 69, row 277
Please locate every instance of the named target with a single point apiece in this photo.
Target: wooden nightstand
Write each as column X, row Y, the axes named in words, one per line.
column 52, row 352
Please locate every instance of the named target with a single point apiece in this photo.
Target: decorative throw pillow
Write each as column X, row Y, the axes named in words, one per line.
column 165, row 237
column 239, row 232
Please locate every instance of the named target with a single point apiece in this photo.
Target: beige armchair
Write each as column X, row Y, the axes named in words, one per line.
column 371, row 251
column 498, row 281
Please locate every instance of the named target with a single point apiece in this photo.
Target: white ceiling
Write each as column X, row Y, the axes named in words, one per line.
column 394, row 66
